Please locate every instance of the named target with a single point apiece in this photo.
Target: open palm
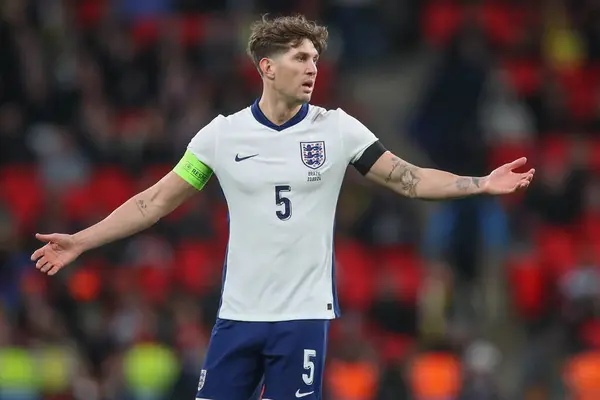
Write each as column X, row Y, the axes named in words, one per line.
column 503, row 180
column 59, row 251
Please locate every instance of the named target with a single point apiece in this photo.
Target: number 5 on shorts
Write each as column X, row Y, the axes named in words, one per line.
column 309, row 365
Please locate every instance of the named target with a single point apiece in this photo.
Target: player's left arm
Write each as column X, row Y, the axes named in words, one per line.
column 432, row 184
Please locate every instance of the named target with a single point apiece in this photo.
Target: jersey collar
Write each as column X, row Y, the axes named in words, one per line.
column 262, row 119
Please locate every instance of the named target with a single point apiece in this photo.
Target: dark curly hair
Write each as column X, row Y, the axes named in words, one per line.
column 272, row 36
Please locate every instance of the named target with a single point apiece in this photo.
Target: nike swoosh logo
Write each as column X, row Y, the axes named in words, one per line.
column 300, row 395
column 238, row 158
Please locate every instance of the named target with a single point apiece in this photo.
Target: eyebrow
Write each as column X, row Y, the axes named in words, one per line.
column 305, row 53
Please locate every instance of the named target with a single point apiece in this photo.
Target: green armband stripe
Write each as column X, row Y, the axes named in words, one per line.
column 193, row 171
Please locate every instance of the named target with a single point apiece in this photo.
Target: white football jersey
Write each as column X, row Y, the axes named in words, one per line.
column 281, row 184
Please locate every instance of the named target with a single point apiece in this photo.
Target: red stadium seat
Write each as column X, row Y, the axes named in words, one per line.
column 594, row 156
column 155, row 283
column 524, row 75
column 580, row 85
column 590, row 334
column 195, row 267
column 78, row 203
column 589, row 232
column 556, row 149
column 22, row 189
column 441, row 20
column 503, row 24
column 557, row 250
column 405, row 267
column 394, row 348
column 528, row 285
column 193, row 29
column 90, row 12
column 354, row 274
column 111, row 187
column 145, row 32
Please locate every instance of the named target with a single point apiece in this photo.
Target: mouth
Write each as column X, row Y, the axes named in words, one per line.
column 308, row 85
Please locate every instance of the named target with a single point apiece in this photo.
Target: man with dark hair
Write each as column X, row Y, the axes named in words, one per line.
column 280, row 163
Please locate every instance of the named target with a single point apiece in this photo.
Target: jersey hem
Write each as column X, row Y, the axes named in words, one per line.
column 273, row 318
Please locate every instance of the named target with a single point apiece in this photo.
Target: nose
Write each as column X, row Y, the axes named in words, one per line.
column 312, row 69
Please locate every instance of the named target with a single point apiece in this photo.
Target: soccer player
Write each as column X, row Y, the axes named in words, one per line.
column 280, row 163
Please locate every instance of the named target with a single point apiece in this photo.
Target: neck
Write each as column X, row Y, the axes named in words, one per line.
column 276, row 109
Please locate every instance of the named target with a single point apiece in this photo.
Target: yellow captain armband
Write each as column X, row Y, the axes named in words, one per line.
column 193, row 171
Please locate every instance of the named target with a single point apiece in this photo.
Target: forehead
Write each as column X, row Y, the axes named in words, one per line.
column 306, row 46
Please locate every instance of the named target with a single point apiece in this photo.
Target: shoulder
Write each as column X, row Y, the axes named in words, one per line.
column 222, row 123
column 238, row 118
column 318, row 114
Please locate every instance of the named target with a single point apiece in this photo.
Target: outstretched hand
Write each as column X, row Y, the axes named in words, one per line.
column 503, row 180
column 59, row 251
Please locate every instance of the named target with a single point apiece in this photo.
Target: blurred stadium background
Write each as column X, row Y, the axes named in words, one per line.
column 474, row 299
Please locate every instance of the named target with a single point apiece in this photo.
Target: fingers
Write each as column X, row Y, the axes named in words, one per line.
column 41, row 262
column 54, row 270
column 525, row 181
column 528, row 175
column 44, row 262
column 517, row 163
column 37, row 254
column 45, row 266
column 45, row 237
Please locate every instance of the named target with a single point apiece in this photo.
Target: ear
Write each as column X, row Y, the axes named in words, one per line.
column 267, row 67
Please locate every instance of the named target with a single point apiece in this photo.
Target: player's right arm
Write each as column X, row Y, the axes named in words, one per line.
column 138, row 213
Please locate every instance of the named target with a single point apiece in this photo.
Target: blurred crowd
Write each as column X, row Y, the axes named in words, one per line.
column 98, row 99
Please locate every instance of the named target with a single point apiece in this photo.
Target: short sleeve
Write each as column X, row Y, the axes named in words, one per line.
column 203, row 144
column 355, row 136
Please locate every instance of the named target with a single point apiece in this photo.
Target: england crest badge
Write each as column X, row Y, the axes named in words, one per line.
column 202, row 379
column 313, row 154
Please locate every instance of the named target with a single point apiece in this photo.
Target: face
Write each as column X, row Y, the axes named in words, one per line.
column 294, row 72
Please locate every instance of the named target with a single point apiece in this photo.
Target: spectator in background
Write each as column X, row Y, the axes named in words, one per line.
column 555, row 198
column 461, row 232
column 504, row 117
column 579, row 289
column 63, row 164
column 481, row 361
column 391, row 310
column 13, row 141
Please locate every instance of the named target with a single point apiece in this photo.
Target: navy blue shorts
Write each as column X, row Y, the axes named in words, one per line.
column 287, row 357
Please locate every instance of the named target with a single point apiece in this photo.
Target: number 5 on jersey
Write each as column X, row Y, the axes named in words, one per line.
column 309, row 366
column 282, row 201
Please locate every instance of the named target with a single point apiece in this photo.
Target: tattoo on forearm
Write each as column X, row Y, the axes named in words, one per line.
column 406, row 176
column 142, row 206
column 394, row 166
column 464, row 184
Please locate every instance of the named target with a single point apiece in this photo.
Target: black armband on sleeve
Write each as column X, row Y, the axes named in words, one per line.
column 369, row 157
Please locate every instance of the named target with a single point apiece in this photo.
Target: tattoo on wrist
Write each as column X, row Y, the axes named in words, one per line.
column 405, row 175
column 464, row 184
column 142, row 206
